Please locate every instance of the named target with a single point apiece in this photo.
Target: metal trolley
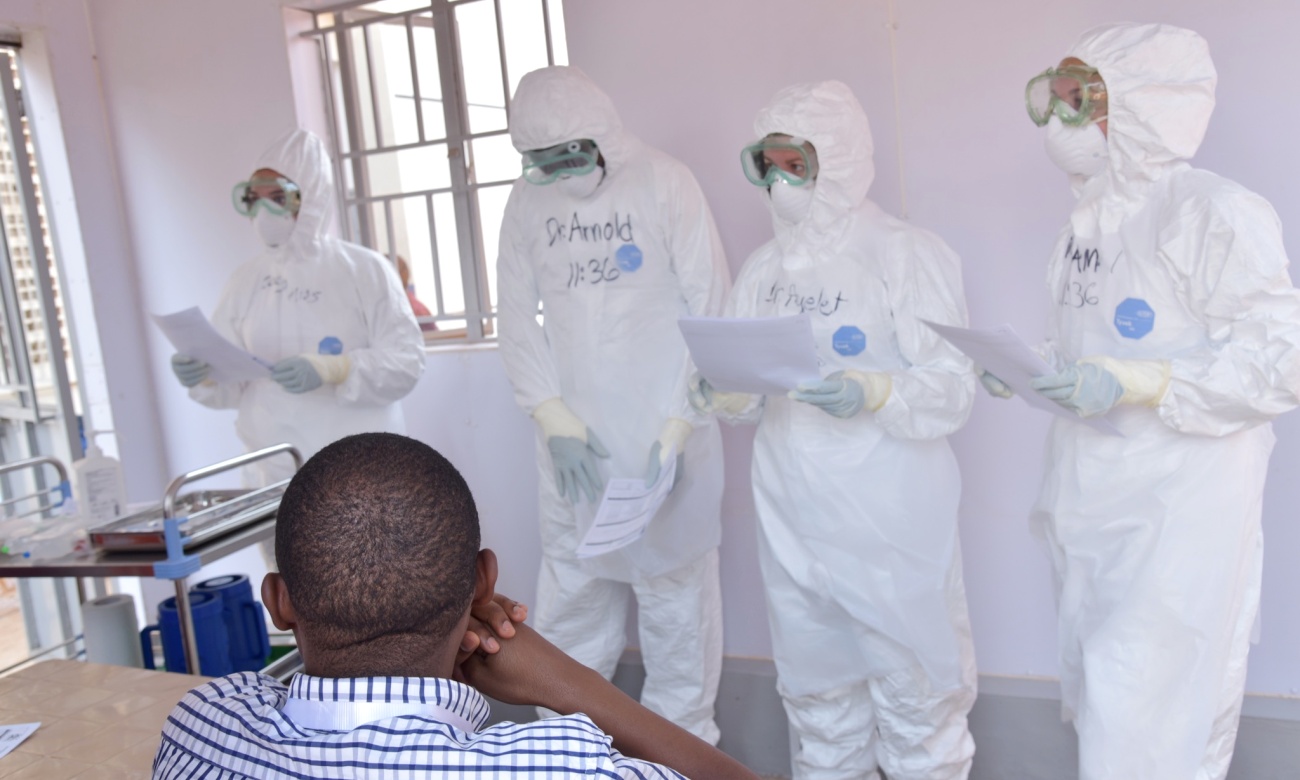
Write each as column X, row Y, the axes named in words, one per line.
column 170, row 540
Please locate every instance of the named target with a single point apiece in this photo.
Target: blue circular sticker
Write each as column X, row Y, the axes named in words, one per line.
column 849, row 340
column 330, row 346
column 628, row 257
column 1134, row 318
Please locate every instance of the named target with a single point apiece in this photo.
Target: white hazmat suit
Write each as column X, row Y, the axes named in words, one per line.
column 613, row 271
column 858, row 517
column 1175, row 278
column 315, row 294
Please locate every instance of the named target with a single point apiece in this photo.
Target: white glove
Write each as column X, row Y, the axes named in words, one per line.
column 706, row 400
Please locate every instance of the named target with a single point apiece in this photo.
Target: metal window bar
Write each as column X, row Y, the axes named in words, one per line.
column 356, row 140
column 433, row 245
column 415, row 79
column 546, row 25
column 501, row 52
column 456, row 111
column 374, row 91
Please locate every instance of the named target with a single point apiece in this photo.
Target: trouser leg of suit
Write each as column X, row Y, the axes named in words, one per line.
column 1223, row 736
column 846, row 731
column 584, row 616
column 680, row 621
column 923, row 732
column 834, row 733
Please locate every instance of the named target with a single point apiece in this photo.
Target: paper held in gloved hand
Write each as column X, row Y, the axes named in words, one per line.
column 193, row 336
column 626, row 509
column 1002, row 353
column 761, row 355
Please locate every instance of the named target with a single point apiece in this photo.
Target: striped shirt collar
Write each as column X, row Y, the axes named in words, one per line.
column 236, row 727
column 343, row 703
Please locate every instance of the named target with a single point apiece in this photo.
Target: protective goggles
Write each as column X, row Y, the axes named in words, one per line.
column 1074, row 93
column 277, row 195
column 792, row 159
column 572, row 158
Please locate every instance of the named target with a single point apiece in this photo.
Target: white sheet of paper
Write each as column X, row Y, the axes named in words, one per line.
column 191, row 334
column 626, row 509
column 1001, row 352
column 13, row 734
column 765, row 355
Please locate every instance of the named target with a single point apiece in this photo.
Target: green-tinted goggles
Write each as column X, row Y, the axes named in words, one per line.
column 1074, row 93
column 277, row 195
column 792, row 160
column 572, row 158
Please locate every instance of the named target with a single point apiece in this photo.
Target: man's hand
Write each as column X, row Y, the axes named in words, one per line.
column 530, row 670
column 526, row 669
column 495, row 619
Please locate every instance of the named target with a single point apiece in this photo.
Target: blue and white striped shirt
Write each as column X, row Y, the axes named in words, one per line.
column 237, row 727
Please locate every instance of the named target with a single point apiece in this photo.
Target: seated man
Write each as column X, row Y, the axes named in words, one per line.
column 380, row 567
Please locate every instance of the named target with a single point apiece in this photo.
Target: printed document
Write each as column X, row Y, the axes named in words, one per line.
column 12, row 735
column 1002, row 353
column 192, row 335
column 626, row 509
column 764, row 355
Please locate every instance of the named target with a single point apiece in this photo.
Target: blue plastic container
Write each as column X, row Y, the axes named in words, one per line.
column 250, row 645
column 209, row 634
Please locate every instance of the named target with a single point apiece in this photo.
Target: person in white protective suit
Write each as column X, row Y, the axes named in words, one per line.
column 1174, row 314
column 854, row 482
column 329, row 315
column 615, row 241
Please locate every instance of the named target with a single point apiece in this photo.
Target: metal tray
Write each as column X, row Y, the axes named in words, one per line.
column 209, row 513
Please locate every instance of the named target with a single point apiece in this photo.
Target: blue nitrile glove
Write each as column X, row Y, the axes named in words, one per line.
column 845, row 393
column 190, row 371
column 574, row 449
column 575, row 465
column 1087, row 389
column 296, row 375
column 673, row 436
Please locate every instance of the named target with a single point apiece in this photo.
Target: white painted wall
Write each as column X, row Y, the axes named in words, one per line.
column 193, row 91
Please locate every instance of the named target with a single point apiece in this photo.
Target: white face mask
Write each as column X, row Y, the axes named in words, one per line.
column 580, row 187
column 1079, row 151
column 790, row 203
column 274, row 229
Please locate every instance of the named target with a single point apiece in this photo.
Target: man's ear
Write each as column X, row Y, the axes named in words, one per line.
column 275, row 596
column 485, row 580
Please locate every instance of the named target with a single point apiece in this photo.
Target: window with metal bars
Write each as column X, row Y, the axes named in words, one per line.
column 419, row 97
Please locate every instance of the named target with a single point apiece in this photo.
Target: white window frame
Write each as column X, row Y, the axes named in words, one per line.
column 355, row 206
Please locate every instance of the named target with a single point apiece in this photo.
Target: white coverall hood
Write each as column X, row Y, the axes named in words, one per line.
column 302, row 158
column 315, row 294
column 1160, row 94
column 614, row 271
column 585, row 112
column 857, row 518
column 827, row 115
column 1155, row 542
